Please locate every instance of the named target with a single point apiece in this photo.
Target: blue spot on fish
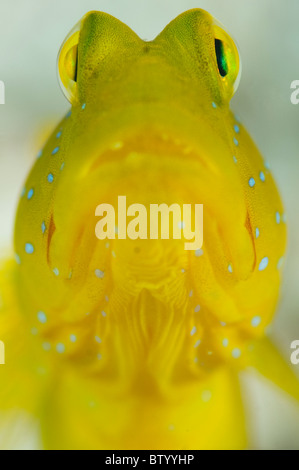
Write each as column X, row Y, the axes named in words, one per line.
column 236, row 353
column 99, row 274
column 267, row 165
column 256, row 321
column 50, row 178
column 30, row 194
column 42, row 318
column 277, row 216
column 56, row 150
column 29, row 248
column 60, row 348
column 263, row 264
column 262, row 177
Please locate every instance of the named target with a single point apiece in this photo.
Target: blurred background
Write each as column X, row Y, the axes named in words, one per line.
column 267, row 33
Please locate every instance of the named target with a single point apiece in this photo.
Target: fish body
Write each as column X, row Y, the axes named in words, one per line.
column 137, row 343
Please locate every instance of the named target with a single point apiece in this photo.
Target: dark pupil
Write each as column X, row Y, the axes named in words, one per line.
column 221, row 60
column 76, row 67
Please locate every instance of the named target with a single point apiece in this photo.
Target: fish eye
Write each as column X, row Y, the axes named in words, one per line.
column 67, row 64
column 227, row 59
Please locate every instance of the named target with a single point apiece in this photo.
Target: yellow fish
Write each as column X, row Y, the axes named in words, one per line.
column 138, row 343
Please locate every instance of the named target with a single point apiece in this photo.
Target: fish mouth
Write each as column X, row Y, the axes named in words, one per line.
column 160, row 145
column 157, row 146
